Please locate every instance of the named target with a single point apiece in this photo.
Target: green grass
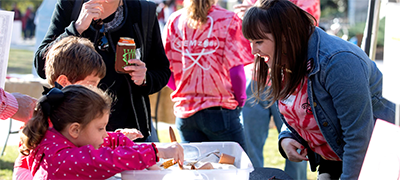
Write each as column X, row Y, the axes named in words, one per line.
column 271, row 151
column 272, row 157
column 7, row 162
column 20, row 62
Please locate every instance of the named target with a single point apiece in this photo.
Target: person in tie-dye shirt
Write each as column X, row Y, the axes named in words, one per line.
column 207, row 52
column 77, row 146
column 328, row 91
column 256, row 117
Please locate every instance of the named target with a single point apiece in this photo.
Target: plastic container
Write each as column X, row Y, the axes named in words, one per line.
column 242, row 162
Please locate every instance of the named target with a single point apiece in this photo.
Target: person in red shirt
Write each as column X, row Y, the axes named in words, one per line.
column 256, row 128
column 207, row 52
column 328, row 90
column 165, row 9
column 28, row 25
column 17, row 13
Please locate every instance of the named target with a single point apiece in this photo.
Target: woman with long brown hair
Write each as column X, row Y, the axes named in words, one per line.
column 328, row 91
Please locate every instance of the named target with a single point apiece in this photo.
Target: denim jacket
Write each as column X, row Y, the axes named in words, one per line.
column 345, row 93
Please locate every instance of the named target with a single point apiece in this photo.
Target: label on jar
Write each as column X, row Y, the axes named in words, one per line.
column 126, row 50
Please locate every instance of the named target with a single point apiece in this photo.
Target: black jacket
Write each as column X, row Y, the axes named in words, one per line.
column 132, row 106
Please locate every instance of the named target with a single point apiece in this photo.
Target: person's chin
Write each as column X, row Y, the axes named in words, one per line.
column 97, row 147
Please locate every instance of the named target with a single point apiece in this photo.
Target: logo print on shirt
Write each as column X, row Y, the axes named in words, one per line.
column 207, row 46
column 128, row 54
column 307, row 107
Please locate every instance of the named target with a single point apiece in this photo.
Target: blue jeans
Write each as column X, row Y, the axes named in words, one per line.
column 153, row 136
column 212, row 124
column 256, row 118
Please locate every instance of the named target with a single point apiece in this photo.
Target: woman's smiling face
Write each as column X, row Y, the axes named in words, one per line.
column 265, row 48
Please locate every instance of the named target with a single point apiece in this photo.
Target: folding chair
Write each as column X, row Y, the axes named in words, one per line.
column 8, row 135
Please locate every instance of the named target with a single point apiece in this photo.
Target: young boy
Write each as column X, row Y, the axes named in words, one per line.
column 72, row 60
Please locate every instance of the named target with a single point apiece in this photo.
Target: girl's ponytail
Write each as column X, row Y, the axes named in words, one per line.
column 74, row 103
column 35, row 129
column 33, row 132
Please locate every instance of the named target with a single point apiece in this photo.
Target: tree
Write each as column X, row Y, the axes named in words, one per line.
column 331, row 9
column 23, row 5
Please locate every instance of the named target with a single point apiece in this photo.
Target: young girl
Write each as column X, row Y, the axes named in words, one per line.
column 78, row 146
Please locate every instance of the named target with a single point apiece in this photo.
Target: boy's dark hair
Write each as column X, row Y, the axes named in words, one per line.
column 74, row 103
column 74, row 57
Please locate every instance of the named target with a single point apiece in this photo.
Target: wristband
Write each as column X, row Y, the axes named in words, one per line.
column 144, row 82
column 156, row 151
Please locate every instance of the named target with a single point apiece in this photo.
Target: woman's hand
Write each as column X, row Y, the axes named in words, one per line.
column 290, row 146
column 91, row 10
column 131, row 133
column 137, row 71
column 173, row 150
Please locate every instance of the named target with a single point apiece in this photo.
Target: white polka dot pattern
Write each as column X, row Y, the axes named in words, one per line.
column 67, row 161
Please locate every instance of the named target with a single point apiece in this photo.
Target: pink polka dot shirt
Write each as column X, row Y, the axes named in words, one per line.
column 57, row 158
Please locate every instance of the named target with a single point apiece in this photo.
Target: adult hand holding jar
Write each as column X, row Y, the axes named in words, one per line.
column 137, row 71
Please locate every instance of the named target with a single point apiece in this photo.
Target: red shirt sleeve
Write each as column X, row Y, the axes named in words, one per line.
column 9, row 105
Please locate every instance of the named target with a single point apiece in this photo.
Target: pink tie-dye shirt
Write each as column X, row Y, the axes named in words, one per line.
column 58, row 158
column 200, row 60
column 297, row 111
